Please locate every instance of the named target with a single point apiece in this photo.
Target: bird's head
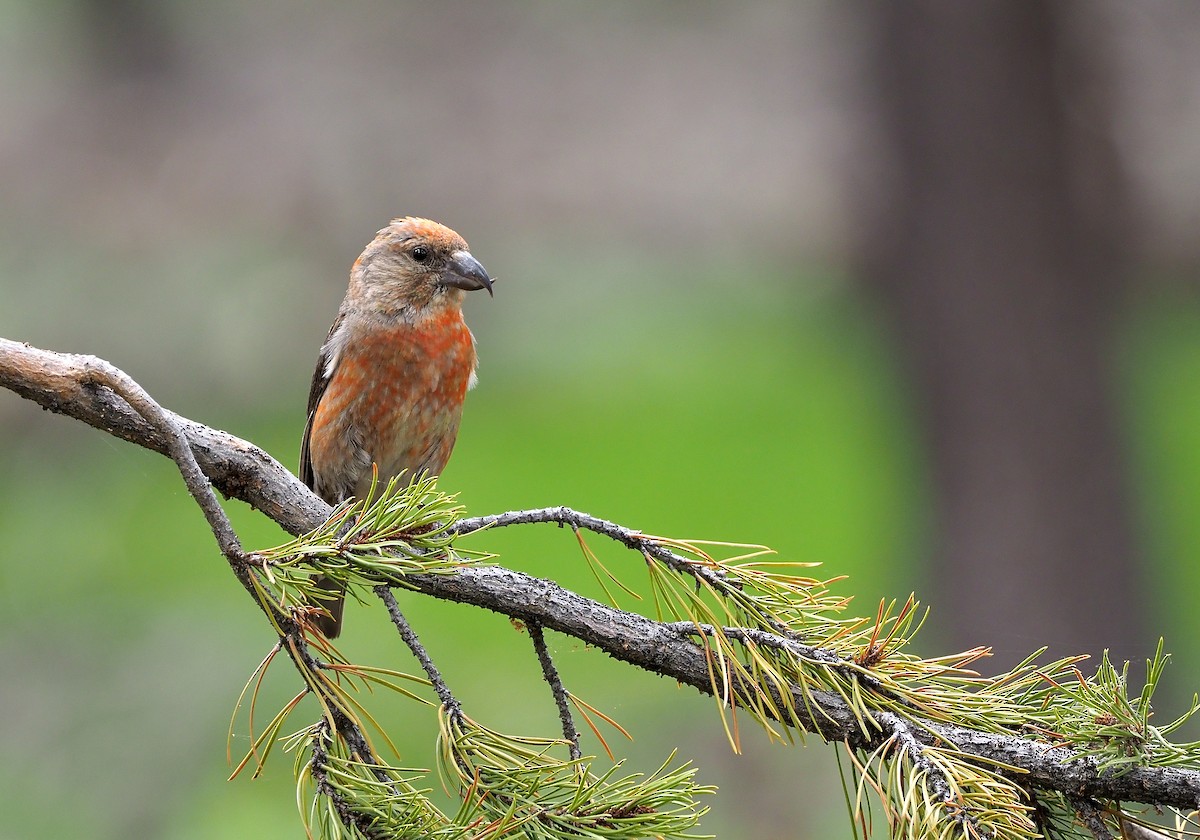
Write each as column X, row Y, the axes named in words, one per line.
column 415, row 268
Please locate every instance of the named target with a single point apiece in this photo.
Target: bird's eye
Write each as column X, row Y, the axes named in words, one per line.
column 421, row 254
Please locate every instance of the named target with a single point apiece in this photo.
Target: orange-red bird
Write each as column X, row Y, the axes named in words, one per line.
column 392, row 375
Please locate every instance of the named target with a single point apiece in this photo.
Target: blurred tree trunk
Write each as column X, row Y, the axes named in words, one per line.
column 1001, row 253
column 131, row 40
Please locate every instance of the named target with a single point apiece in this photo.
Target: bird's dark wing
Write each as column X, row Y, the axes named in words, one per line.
column 333, row 599
column 320, row 381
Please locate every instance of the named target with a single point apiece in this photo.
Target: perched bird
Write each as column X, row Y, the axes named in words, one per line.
column 392, row 375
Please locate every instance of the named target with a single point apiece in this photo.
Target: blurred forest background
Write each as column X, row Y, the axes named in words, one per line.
column 907, row 289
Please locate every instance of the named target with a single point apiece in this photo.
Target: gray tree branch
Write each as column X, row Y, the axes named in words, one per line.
column 62, row 383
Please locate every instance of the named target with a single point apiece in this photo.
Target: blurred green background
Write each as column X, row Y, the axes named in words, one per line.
column 671, row 197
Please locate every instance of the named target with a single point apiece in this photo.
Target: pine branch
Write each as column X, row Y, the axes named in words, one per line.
column 91, row 391
column 409, row 636
column 1092, row 816
column 635, row 540
column 58, row 382
column 561, row 699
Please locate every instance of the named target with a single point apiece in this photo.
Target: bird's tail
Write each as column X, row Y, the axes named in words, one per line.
column 331, row 598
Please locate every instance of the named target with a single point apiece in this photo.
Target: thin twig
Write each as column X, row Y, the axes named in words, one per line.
column 561, row 698
column 628, row 537
column 1092, row 816
column 452, row 706
column 1137, row 831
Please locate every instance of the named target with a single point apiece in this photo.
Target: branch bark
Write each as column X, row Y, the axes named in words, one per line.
column 61, row 383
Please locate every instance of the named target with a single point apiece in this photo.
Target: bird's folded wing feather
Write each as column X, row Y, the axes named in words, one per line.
column 320, row 382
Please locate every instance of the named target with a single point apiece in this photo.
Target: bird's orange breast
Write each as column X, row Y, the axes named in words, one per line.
column 394, row 399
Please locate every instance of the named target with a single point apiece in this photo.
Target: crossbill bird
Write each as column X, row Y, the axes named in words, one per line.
column 391, row 377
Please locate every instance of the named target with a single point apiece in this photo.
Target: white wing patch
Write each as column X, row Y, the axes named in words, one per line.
column 474, row 378
column 333, row 349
